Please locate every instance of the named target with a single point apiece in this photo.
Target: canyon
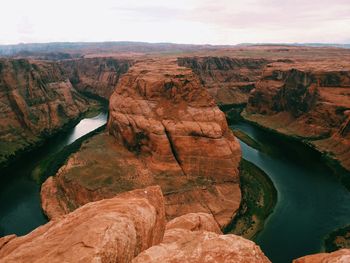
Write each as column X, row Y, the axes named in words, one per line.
column 167, row 126
column 165, row 129
column 40, row 98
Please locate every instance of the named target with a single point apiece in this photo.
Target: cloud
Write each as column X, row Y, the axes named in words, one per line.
column 181, row 21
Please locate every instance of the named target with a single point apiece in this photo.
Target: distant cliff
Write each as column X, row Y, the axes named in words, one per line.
column 36, row 100
column 307, row 100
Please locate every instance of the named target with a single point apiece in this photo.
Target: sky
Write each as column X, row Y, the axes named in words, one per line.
column 176, row 21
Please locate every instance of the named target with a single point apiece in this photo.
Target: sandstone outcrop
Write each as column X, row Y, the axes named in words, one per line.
column 308, row 100
column 164, row 129
column 340, row 256
column 193, row 242
column 97, row 76
column 195, row 222
column 110, row 230
column 35, row 101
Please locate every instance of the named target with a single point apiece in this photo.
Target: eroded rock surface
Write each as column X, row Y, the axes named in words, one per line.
column 110, row 230
column 96, row 76
column 228, row 80
column 164, row 129
column 340, row 256
column 195, row 222
column 309, row 100
column 36, row 100
column 184, row 243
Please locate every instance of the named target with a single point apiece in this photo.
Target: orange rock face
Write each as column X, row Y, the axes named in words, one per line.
column 165, row 129
column 111, row 230
column 309, row 100
column 187, row 240
column 35, row 101
column 195, row 222
column 340, row 256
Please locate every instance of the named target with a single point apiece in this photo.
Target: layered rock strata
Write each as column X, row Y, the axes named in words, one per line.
column 97, row 76
column 164, row 129
column 36, row 100
column 307, row 100
column 228, row 80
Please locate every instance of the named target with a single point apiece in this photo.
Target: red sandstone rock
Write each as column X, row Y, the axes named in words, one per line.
column 110, row 230
column 228, row 80
column 309, row 100
column 181, row 245
column 195, row 222
column 97, row 76
column 35, row 100
column 340, row 256
column 165, row 130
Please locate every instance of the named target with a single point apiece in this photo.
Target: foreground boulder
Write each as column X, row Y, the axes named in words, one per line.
column 195, row 222
column 184, row 243
column 340, row 256
column 111, row 230
column 164, row 128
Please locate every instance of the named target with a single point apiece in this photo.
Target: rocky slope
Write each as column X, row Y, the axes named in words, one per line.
column 164, row 129
column 96, row 76
column 111, row 230
column 307, row 100
column 340, row 256
column 35, row 101
column 195, row 238
column 228, row 80
column 129, row 227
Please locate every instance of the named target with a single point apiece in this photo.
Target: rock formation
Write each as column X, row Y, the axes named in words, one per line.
column 96, row 76
column 35, row 101
column 164, row 129
column 129, row 228
column 183, row 243
column 308, row 100
column 111, row 230
column 228, row 80
column 339, row 256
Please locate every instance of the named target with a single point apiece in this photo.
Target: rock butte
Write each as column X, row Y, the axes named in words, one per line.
column 120, row 228
column 339, row 256
column 164, row 129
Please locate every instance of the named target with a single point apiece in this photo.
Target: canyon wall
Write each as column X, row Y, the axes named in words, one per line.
column 307, row 100
column 164, row 129
column 36, row 100
column 96, row 76
column 228, row 80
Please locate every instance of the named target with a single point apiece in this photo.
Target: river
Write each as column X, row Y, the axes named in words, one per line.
column 20, row 207
column 311, row 201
